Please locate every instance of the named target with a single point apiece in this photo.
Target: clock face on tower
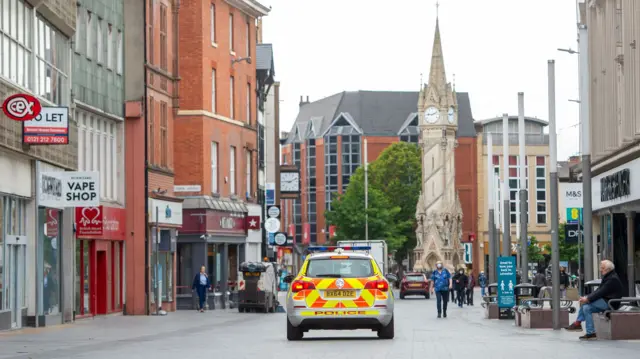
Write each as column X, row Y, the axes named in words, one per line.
column 431, row 115
column 290, row 182
column 451, row 114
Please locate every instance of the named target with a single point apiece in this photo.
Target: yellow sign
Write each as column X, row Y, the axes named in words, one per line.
column 575, row 214
column 338, row 313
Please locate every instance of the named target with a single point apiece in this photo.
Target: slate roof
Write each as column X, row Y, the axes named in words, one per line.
column 376, row 113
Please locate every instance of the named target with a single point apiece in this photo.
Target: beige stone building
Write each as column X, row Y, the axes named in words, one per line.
column 537, row 162
column 613, row 28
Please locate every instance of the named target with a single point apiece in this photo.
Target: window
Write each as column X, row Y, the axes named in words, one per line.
column 514, row 186
column 350, row 158
column 152, row 133
column 232, row 170
column 99, row 53
column 89, row 38
column 248, row 110
column 312, row 189
column 213, row 90
column 214, row 167
column 341, row 268
column 212, row 21
column 110, row 46
column 113, row 133
column 231, row 102
column 541, row 191
column 164, row 136
column 150, row 31
column 248, row 49
column 120, row 54
column 79, row 19
column 52, row 56
column 231, row 48
column 248, row 174
column 164, row 56
column 15, row 43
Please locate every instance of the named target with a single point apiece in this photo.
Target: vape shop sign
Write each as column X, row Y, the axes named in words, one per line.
column 69, row 189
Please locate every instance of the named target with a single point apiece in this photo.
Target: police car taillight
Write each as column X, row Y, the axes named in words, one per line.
column 379, row 284
column 299, row 285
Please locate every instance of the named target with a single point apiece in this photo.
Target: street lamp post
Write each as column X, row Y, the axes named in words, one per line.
column 553, row 176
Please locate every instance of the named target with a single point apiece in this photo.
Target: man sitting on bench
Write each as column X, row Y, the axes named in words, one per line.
column 597, row 302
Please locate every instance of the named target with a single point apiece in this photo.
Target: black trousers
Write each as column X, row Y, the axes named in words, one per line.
column 442, row 299
column 470, row 296
column 460, row 296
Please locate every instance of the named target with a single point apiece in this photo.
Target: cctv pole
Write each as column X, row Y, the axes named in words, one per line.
column 553, row 176
column 506, row 227
column 524, row 238
column 157, row 245
column 366, row 192
column 490, row 195
column 583, row 40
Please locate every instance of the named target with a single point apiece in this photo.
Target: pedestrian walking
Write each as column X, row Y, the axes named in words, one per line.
column 482, row 280
column 441, row 284
column 460, row 281
column 470, row 287
column 540, row 280
column 564, row 282
column 201, row 284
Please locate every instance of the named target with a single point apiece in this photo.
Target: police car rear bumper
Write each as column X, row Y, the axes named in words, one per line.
column 340, row 318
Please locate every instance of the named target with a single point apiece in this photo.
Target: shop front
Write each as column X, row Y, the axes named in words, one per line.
column 616, row 202
column 214, row 237
column 165, row 220
column 99, row 257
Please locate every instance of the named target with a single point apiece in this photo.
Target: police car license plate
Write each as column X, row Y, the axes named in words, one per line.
column 340, row 293
column 415, row 285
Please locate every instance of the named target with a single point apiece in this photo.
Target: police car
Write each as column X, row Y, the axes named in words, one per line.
column 338, row 288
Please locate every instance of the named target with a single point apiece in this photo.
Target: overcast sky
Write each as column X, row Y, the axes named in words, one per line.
column 495, row 48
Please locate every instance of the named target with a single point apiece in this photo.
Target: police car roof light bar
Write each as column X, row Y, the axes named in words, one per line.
column 333, row 248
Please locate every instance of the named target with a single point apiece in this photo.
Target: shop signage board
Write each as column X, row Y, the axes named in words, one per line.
column 69, row 189
column 506, row 282
column 168, row 212
column 100, row 222
column 21, row 107
column 49, row 127
column 615, row 186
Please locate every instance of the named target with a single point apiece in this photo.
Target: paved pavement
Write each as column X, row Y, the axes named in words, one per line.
column 229, row 334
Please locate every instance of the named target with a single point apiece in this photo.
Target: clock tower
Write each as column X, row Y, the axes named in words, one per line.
column 438, row 212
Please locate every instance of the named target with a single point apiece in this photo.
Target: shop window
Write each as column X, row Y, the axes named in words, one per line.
column 82, row 278
column 49, row 273
column 117, row 278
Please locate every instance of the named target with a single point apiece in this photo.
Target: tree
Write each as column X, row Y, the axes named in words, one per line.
column 534, row 252
column 394, row 188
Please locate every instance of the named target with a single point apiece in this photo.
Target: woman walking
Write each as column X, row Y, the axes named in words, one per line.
column 201, row 284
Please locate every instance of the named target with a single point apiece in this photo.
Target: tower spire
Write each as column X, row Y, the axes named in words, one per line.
column 437, row 74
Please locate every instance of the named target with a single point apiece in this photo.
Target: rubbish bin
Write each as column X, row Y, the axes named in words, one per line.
column 492, row 289
column 591, row 286
column 524, row 291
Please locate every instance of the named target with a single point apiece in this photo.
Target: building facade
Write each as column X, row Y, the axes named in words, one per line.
column 537, row 164
column 613, row 76
column 35, row 284
column 216, row 142
column 98, row 95
column 327, row 144
column 154, row 213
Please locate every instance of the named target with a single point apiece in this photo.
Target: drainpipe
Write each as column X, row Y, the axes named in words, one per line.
column 146, row 165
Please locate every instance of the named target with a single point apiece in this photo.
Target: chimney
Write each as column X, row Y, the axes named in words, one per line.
column 302, row 101
column 259, row 31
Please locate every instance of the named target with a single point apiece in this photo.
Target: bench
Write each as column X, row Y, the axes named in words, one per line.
column 532, row 313
column 616, row 324
column 490, row 305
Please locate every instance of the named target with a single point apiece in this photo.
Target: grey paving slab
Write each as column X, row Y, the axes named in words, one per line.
column 229, row 334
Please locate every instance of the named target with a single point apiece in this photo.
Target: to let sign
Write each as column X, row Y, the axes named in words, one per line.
column 49, row 127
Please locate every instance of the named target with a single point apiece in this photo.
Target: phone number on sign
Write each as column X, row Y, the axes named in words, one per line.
column 57, row 140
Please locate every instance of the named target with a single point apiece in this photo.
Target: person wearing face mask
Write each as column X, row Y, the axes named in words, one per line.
column 441, row 284
column 461, row 281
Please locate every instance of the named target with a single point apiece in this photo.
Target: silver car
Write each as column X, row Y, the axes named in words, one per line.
column 339, row 288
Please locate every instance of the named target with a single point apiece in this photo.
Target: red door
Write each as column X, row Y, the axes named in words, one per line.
column 101, row 283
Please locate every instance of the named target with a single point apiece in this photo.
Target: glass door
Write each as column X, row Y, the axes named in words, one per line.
column 16, row 275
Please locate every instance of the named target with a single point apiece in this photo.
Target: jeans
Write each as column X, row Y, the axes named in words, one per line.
column 586, row 310
column 482, row 289
column 202, row 296
column 442, row 298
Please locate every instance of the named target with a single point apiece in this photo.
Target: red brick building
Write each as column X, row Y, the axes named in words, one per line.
column 327, row 142
column 154, row 214
column 216, row 136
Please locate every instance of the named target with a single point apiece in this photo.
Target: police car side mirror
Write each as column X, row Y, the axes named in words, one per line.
column 288, row 279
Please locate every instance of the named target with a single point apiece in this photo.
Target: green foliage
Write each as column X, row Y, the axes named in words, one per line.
column 394, row 188
column 534, row 252
column 568, row 252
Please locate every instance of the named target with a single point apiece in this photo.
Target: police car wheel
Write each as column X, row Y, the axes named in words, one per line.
column 293, row 333
column 387, row 332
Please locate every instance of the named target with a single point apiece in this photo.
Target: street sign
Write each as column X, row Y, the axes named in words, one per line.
column 273, row 211
column 270, row 194
column 272, row 239
column 506, row 282
column 468, row 258
column 574, row 215
column 280, row 238
column 272, row 225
